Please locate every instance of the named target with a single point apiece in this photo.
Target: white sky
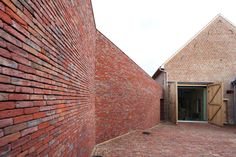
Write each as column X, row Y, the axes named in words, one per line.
column 150, row 31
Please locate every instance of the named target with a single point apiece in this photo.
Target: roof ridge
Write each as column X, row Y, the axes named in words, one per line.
column 199, row 32
column 194, row 37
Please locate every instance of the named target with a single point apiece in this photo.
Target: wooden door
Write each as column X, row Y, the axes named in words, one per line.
column 173, row 102
column 215, row 104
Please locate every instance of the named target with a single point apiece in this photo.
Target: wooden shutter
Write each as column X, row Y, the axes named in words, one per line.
column 215, row 104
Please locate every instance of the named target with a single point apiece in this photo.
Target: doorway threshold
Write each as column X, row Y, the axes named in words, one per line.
column 190, row 121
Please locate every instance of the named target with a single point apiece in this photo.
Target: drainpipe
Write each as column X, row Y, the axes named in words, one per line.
column 234, row 106
column 165, row 84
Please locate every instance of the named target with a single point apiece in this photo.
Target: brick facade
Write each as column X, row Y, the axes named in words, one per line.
column 47, row 85
column 126, row 97
column 209, row 57
column 46, row 78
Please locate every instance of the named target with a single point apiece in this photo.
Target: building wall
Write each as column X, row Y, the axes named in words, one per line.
column 46, row 78
column 126, row 97
column 160, row 79
column 210, row 57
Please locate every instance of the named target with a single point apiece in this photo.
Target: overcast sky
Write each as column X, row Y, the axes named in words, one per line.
column 150, row 31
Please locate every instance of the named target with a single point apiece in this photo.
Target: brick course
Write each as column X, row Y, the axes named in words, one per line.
column 46, row 78
column 47, row 82
column 126, row 97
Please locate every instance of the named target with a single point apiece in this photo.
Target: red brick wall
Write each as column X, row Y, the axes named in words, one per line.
column 126, row 97
column 46, row 78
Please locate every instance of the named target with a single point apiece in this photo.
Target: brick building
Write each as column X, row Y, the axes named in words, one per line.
column 48, row 52
column 197, row 79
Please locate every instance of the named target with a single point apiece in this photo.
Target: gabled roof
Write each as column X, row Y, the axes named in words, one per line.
column 218, row 17
column 159, row 70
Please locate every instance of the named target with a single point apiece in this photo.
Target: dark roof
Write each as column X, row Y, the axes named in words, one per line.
column 234, row 82
column 159, row 70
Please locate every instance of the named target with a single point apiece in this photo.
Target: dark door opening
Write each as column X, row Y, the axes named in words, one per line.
column 192, row 103
column 162, row 109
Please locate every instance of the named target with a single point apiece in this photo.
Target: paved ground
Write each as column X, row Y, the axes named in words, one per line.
column 167, row 140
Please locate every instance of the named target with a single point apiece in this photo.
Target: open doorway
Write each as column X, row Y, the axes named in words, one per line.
column 192, row 103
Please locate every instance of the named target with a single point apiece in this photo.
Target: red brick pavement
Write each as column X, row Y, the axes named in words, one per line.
column 168, row 140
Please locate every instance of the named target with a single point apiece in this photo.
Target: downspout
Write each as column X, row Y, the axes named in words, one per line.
column 234, row 105
column 165, row 83
column 167, row 95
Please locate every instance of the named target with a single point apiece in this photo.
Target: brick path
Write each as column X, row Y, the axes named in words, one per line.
column 168, row 140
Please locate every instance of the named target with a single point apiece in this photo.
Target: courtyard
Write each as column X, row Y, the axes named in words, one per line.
column 169, row 140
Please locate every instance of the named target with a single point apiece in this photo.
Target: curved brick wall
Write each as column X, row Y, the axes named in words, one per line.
column 47, row 85
column 46, row 78
column 126, row 97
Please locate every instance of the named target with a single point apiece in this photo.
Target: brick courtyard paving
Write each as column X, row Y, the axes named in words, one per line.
column 168, row 140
